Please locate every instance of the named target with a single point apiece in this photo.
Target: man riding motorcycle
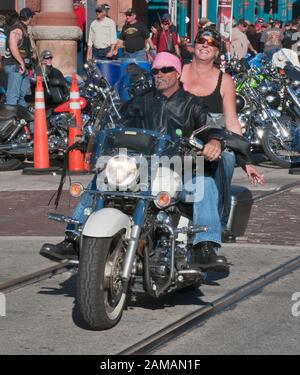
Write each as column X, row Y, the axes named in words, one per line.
column 170, row 110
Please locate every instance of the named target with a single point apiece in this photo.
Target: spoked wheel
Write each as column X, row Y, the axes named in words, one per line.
column 9, row 163
column 100, row 294
column 284, row 153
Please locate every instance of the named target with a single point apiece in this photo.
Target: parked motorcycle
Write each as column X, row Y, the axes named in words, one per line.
column 130, row 242
column 264, row 105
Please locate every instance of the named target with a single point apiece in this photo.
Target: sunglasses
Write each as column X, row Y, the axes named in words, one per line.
column 210, row 42
column 48, row 58
column 166, row 23
column 165, row 69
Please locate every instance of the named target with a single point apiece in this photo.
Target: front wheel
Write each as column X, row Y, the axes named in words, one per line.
column 286, row 153
column 100, row 295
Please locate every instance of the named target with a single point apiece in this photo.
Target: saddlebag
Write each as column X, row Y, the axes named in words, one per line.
column 6, row 128
column 241, row 204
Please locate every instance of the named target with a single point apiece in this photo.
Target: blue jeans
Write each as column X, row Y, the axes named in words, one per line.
column 205, row 211
column 100, row 53
column 138, row 55
column 17, row 87
column 222, row 179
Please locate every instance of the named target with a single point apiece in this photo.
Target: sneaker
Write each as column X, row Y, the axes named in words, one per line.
column 61, row 251
column 205, row 258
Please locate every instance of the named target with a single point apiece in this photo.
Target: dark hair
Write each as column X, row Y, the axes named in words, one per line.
column 11, row 17
column 209, row 31
column 242, row 22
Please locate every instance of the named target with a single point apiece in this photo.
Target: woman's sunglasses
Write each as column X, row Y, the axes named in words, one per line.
column 165, row 69
column 210, row 41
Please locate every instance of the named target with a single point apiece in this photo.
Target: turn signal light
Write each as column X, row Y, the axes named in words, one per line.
column 76, row 189
column 163, row 199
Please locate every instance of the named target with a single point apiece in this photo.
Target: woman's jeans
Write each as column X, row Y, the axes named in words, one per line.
column 224, row 178
column 17, row 87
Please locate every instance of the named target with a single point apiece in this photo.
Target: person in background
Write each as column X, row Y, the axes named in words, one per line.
column 133, row 38
column 185, row 53
column 217, row 90
column 254, row 38
column 239, row 41
column 59, row 91
column 18, row 59
column 166, row 40
column 102, row 36
column 272, row 39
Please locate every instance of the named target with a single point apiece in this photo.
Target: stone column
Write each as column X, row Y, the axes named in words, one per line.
column 56, row 30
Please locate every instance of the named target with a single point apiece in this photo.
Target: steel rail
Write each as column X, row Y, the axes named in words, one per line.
column 35, row 277
column 185, row 324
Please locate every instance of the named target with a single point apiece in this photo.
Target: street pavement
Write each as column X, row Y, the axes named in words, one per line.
column 43, row 319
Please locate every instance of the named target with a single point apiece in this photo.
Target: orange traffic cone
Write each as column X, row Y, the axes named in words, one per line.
column 76, row 157
column 40, row 148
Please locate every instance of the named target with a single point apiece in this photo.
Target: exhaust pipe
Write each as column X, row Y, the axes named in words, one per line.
column 13, row 149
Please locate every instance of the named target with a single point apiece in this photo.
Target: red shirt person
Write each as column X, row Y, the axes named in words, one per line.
column 166, row 40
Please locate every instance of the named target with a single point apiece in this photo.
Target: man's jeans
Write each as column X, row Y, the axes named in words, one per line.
column 222, row 179
column 205, row 211
column 138, row 55
column 17, row 87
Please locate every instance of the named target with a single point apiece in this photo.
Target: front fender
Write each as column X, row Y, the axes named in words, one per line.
column 106, row 223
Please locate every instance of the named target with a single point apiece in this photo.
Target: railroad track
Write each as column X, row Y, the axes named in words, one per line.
column 32, row 278
column 198, row 317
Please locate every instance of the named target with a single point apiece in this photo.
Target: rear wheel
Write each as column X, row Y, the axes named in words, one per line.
column 100, row 295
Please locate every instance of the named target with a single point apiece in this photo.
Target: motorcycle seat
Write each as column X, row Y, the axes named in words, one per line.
column 7, row 112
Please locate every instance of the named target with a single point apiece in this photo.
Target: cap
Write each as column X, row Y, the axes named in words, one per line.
column 166, row 59
column 166, row 17
column 129, row 12
column 100, row 8
column 26, row 13
column 46, row 53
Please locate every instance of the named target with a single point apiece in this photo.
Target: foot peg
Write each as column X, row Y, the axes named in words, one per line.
column 62, row 219
column 192, row 229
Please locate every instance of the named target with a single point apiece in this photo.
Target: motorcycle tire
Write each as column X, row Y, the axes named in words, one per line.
column 9, row 163
column 274, row 155
column 99, row 295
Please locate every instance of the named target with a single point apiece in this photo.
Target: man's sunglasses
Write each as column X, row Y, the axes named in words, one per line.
column 48, row 58
column 165, row 69
column 210, row 41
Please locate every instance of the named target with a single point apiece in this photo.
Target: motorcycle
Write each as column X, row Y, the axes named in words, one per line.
column 129, row 244
column 264, row 111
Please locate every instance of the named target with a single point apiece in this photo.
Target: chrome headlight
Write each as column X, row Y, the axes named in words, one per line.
column 121, row 171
